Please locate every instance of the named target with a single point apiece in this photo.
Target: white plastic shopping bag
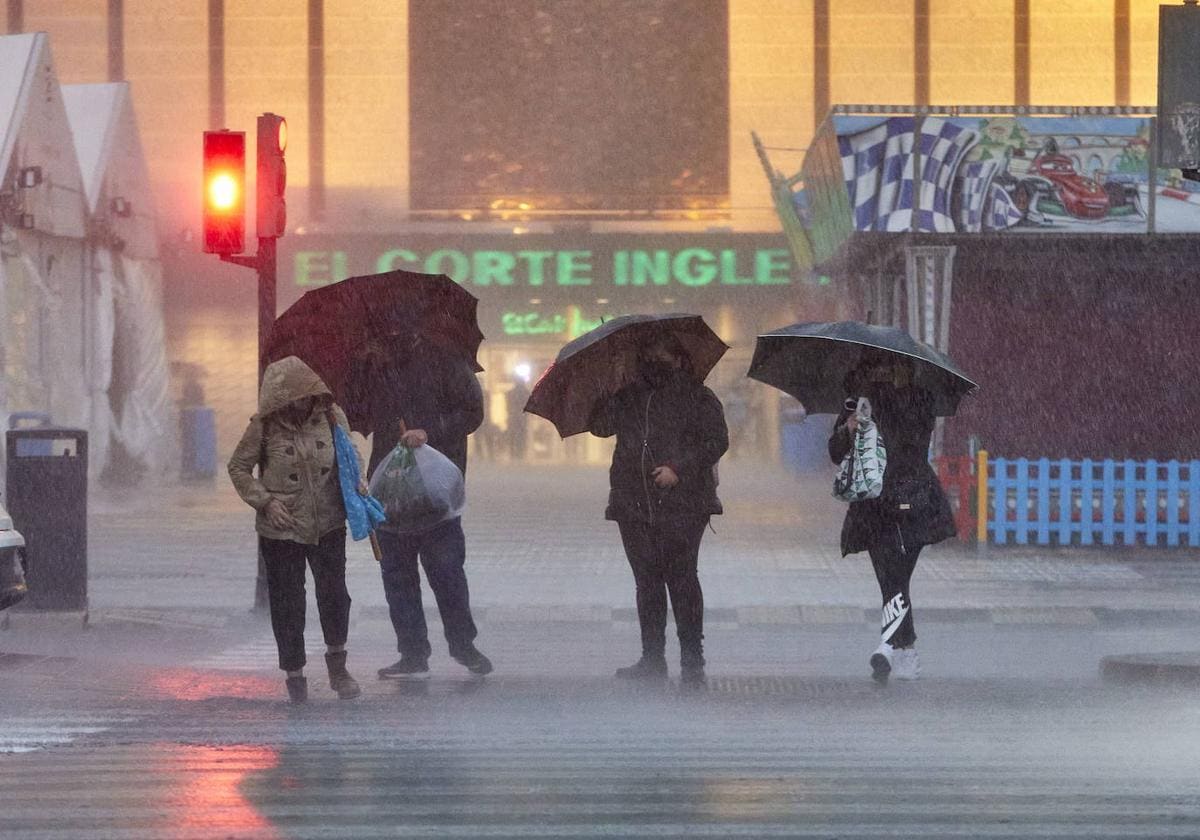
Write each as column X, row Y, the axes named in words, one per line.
column 419, row 489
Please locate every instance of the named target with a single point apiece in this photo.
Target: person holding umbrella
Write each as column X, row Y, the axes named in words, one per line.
column 842, row 368
column 912, row 511
column 671, row 433
column 641, row 378
column 421, row 394
column 301, row 515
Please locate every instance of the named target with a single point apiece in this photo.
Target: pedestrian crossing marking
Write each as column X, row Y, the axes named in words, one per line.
column 23, row 734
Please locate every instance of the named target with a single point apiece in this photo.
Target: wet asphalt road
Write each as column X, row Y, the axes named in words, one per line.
column 165, row 718
column 801, row 744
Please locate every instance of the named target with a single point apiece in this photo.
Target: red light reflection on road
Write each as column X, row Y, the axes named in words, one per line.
column 191, row 685
column 209, row 795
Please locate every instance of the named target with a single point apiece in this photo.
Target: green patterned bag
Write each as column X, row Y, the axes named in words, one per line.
column 861, row 473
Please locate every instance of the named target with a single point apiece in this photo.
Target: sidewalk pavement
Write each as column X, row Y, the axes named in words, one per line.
column 539, row 549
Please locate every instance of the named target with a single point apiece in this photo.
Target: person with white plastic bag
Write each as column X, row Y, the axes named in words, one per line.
column 424, row 404
column 897, row 505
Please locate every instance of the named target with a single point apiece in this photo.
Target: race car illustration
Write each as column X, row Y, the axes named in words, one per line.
column 1049, row 185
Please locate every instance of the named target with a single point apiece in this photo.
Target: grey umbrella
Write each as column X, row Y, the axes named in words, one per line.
column 812, row 362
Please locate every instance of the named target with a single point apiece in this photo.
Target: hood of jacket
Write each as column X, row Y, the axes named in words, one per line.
column 285, row 382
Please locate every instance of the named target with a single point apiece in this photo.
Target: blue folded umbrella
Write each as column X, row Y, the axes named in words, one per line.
column 363, row 513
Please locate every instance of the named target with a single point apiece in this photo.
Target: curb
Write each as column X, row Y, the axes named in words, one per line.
column 1181, row 669
column 768, row 616
column 731, row 618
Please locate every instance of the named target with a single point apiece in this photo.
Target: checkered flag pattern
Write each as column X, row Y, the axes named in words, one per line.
column 878, row 165
column 975, row 190
column 1001, row 212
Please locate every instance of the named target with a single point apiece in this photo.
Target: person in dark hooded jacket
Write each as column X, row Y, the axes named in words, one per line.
column 911, row 512
column 671, row 433
column 423, row 395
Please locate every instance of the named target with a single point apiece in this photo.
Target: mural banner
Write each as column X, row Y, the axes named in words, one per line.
column 988, row 174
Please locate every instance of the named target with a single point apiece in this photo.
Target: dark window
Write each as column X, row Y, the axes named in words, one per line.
column 594, row 105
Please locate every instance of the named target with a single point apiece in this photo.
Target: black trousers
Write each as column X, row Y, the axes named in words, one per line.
column 285, row 561
column 894, row 570
column 664, row 556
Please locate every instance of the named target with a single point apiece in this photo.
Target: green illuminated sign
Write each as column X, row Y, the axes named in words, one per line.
column 572, row 324
column 691, row 267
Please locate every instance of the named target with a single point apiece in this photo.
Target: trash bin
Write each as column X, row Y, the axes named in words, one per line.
column 47, row 499
column 805, row 444
column 198, row 443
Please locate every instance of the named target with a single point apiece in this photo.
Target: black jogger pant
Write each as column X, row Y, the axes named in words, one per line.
column 285, row 560
column 664, row 556
column 894, row 569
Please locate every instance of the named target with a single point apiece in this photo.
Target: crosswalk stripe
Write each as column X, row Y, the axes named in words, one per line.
column 27, row 734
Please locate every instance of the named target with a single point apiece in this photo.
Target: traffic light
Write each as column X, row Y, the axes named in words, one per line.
column 224, row 192
column 272, row 176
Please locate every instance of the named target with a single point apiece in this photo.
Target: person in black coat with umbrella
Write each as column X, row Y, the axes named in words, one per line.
column 423, row 395
column 911, row 512
column 671, row 433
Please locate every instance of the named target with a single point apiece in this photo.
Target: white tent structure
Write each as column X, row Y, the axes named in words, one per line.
column 43, row 227
column 127, row 375
column 81, row 325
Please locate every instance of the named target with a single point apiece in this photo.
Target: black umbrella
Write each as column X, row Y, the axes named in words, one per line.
column 601, row 362
column 811, row 362
column 331, row 329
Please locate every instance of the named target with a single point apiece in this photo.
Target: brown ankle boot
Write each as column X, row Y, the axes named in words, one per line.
column 339, row 678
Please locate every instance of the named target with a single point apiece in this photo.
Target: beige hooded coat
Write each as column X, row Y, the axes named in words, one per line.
column 300, row 468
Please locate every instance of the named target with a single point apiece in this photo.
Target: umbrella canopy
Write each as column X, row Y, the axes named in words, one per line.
column 330, row 328
column 811, row 362
column 601, row 362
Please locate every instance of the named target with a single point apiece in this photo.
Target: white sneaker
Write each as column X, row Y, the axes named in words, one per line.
column 881, row 661
column 906, row 664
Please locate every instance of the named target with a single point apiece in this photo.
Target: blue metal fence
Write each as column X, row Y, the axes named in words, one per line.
column 1094, row 502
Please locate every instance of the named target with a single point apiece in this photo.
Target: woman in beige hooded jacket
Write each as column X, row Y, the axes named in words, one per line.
column 301, row 516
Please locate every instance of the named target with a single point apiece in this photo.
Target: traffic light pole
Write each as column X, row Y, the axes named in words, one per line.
column 264, row 263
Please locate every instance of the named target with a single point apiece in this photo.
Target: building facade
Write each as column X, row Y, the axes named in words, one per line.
column 356, row 79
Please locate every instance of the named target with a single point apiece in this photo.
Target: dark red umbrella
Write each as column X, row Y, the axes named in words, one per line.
column 601, row 362
column 332, row 329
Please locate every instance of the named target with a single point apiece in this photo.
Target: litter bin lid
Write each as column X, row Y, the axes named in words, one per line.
column 46, row 442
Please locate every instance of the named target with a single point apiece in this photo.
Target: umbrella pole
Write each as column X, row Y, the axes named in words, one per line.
column 375, row 549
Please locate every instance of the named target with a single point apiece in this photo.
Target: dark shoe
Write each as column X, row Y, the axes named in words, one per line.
column 471, row 659
column 691, row 669
column 339, row 678
column 408, row 668
column 649, row 668
column 297, row 689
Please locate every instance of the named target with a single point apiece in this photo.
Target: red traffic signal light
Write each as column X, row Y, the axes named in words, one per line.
column 271, row 219
column 224, row 215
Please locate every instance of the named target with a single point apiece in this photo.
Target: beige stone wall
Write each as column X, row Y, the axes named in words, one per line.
column 871, row 52
column 971, row 54
column 79, row 36
column 1071, row 52
column 770, row 91
column 366, row 100
column 1143, row 51
column 166, row 62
